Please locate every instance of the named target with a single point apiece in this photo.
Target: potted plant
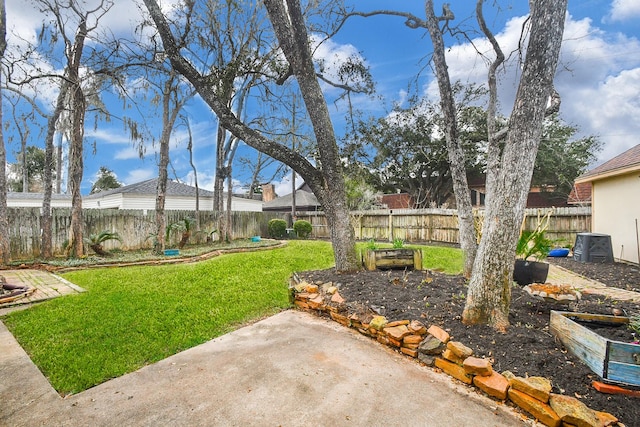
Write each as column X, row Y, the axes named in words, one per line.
column 532, row 248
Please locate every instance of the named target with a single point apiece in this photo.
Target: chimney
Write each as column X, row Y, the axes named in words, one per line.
column 268, row 192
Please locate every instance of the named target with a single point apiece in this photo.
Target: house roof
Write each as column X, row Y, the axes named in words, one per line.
column 580, row 194
column 305, row 200
column 36, row 196
column 629, row 161
column 149, row 187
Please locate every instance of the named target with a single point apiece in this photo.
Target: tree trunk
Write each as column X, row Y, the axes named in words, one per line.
column 49, row 163
column 290, row 28
column 326, row 178
column 489, row 292
column 76, row 162
column 467, row 233
column 5, row 254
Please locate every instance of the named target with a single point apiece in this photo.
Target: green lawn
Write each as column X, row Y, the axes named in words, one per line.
column 133, row 316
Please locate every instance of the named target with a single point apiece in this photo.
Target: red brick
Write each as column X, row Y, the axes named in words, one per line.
column 477, row 366
column 452, row 357
column 302, row 296
column 606, row 419
column 439, row 333
column 459, row 349
column 494, row 385
column 417, row 327
column 456, row 371
column 397, row 323
column 540, row 411
column 336, row 298
column 412, row 339
column 397, row 332
column 312, row 289
column 343, row 320
column 301, row 304
column 536, row 387
column 409, row 351
column 317, row 303
column 614, row 389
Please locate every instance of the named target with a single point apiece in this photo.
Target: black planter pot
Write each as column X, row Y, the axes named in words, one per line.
column 527, row 272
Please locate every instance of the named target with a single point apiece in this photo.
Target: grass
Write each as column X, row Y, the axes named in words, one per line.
column 133, row 316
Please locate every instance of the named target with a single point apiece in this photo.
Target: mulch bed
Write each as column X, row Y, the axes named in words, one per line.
column 528, row 347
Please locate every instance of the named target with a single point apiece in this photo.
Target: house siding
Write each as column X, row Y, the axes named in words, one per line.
column 616, row 212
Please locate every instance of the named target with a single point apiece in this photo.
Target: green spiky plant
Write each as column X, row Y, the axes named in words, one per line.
column 95, row 241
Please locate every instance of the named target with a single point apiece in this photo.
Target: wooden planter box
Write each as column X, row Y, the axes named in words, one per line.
column 393, row 258
column 614, row 361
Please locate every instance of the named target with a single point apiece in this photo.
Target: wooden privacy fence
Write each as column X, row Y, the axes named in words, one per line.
column 135, row 227
column 441, row 225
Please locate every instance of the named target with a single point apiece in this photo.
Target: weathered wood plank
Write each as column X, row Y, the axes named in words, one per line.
column 625, row 353
column 583, row 343
column 624, row 373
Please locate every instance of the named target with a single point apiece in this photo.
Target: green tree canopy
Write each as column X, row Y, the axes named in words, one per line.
column 107, row 180
column 562, row 158
column 35, row 170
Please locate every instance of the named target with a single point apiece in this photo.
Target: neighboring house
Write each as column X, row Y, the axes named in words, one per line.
column 580, row 194
column 305, row 201
column 178, row 197
column 537, row 197
column 34, row 200
column 615, row 202
column 398, row 201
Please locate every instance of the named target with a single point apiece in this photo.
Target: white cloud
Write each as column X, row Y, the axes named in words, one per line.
column 597, row 79
column 128, row 153
column 624, row 10
column 138, row 175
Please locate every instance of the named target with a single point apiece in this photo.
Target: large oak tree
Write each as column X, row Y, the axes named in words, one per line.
column 325, row 178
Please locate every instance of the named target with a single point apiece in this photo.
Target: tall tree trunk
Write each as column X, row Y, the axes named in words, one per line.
column 76, row 161
column 467, row 233
column 59, row 165
column 489, row 292
column 195, row 175
column 5, row 250
column 327, row 180
column 49, row 163
column 290, row 28
column 170, row 111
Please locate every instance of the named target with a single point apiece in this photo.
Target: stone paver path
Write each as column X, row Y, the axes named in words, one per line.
column 47, row 285
column 562, row 276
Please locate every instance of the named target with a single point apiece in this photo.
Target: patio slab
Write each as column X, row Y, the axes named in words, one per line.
column 47, row 286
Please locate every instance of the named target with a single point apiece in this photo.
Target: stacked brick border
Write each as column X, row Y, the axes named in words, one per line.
column 432, row 346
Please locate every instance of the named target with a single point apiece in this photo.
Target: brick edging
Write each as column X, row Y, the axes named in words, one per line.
column 431, row 345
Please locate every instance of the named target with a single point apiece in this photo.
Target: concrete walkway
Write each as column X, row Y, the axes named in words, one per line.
column 292, row 369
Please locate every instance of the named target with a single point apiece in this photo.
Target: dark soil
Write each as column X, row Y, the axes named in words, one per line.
column 528, row 347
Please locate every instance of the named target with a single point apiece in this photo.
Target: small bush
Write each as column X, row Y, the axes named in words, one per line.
column 302, row 228
column 277, row 228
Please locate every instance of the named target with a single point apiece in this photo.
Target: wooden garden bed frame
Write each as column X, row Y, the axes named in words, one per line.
column 614, row 361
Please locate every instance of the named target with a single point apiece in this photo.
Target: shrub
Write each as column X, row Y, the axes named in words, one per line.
column 302, row 228
column 277, row 228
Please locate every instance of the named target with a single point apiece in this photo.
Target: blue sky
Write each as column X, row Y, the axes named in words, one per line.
column 598, row 79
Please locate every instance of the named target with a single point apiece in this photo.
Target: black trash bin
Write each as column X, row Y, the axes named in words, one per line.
column 593, row 247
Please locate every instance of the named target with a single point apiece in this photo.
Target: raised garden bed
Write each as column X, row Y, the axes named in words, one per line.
column 615, row 361
column 393, row 258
